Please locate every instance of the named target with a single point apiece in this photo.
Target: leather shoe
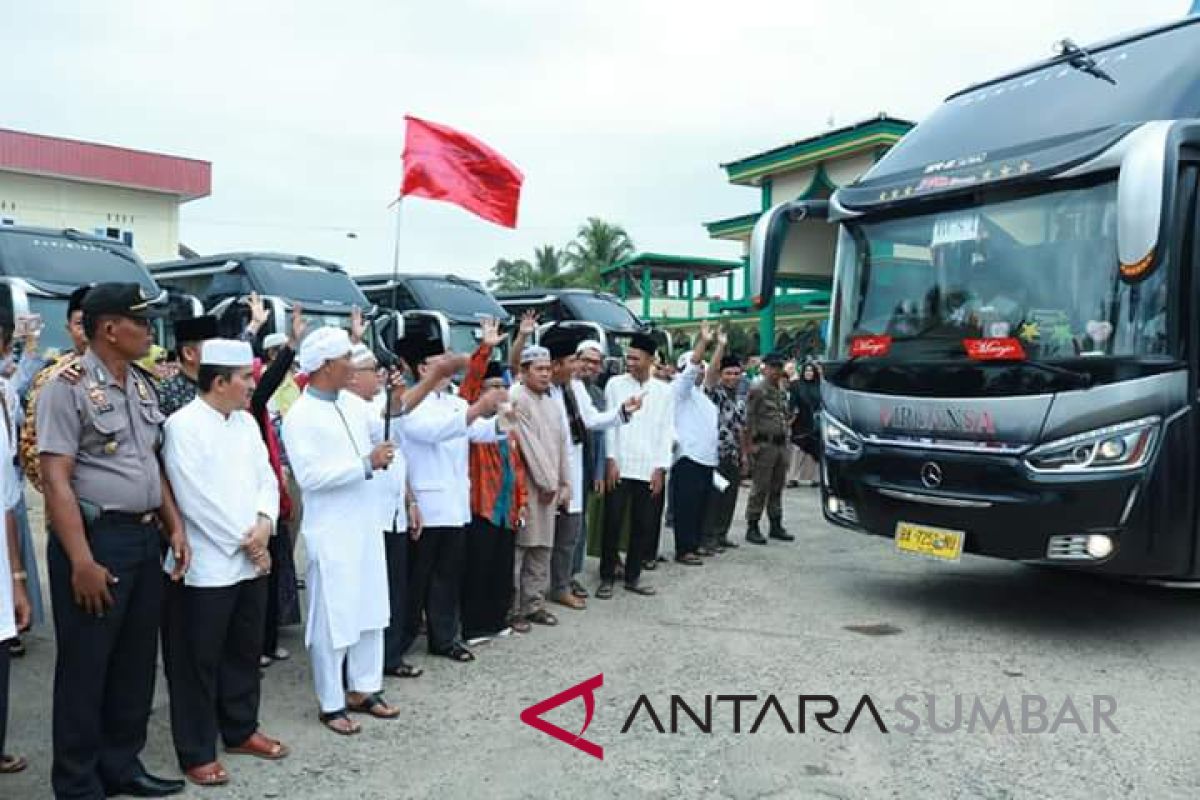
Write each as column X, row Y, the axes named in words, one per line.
column 146, row 785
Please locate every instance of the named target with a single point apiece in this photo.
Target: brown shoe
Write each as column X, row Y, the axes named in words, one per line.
column 570, row 601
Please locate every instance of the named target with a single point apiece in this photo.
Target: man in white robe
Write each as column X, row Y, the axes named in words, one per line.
column 15, row 608
column 228, row 496
column 436, row 440
column 334, row 458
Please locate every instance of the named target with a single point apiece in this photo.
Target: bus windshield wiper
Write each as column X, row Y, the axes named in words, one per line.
column 1083, row 61
column 1082, row 380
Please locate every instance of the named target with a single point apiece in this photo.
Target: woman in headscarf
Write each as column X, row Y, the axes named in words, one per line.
column 805, row 393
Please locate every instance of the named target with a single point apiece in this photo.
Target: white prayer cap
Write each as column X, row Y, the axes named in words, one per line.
column 323, row 344
column 226, row 353
column 535, row 352
column 589, row 344
column 273, row 340
column 361, row 356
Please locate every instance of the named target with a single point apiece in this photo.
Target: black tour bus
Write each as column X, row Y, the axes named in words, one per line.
column 458, row 304
column 41, row 267
column 610, row 320
column 1015, row 340
column 224, row 282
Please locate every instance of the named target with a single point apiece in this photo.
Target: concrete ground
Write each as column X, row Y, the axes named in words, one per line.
column 757, row 621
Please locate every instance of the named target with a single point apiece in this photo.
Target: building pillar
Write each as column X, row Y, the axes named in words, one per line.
column 645, row 293
column 729, row 278
column 624, row 285
column 691, row 295
column 766, row 328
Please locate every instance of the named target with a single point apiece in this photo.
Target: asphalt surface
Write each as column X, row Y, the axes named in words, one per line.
column 834, row 613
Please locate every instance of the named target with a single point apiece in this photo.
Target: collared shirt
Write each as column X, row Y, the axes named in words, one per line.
column 176, row 392
column 112, row 431
column 222, row 479
column 695, row 418
column 644, row 444
column 731, row 421
column 767, row 410
column 593, row 420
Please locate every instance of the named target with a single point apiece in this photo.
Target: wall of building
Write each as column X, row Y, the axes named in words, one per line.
column 150, row 218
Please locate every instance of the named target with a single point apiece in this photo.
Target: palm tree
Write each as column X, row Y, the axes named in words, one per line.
column 508, row 276
column 597, row 245
column 548, row 262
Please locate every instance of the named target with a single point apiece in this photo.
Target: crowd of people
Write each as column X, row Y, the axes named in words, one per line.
column 438, row 495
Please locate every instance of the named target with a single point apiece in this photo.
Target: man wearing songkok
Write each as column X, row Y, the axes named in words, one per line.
column 542, row 430
column 498, row 506
column 228, row 496
column 335, row 458
column 579, row 417
column 180, row 389
column 436, row 440
column 589, row 356
column 639, row 455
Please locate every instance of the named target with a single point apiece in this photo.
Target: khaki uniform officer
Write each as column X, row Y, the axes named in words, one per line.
column 99, row 432
column 768, row 420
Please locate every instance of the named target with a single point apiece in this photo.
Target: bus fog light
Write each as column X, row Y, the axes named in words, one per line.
column 1099, row 545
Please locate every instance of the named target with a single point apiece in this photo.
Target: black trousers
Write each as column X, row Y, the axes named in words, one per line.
column 487, row 586
column 395, row 644
column 721, row 505
column 691, row 486
column 645, row 513
column 434, row 586
column 215, row 637
column 104, row 667
column 4, row 659
column 283, row 602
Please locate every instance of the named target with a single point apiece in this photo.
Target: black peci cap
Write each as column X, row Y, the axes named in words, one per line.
column 195, row 329
column 644, row 342
column 75, row 301
column 730, row 361
column 123, row 300
column 562, row 340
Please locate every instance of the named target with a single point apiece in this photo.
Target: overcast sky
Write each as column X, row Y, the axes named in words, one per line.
column 622, row 109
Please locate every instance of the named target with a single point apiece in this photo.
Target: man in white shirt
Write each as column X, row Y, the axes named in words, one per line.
column 580, row 417
column 436, row 438
column 696, row 436
column 228, row 497
column 331, row 445
column 639, row 455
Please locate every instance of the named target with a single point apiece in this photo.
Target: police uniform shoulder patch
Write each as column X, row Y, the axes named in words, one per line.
column 68, row 368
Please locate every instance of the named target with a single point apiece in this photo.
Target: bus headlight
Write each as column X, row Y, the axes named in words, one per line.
column 840, row 441
column 1117, row 447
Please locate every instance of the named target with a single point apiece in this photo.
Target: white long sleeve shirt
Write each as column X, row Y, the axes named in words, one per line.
column 10, row 489
column 644, row 444
column 435, row 440
column 696, row 431
column 593, row 420
column 222, row 480
column 388, row 484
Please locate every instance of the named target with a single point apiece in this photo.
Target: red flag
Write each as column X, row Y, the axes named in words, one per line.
column 444, row 164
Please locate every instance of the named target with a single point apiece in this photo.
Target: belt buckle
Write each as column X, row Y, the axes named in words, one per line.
column 147, row 518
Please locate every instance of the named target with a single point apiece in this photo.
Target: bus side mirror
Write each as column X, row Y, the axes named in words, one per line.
column 767, row 240
column 1141, row 198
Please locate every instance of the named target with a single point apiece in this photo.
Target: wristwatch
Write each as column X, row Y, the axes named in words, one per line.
column 21, row 576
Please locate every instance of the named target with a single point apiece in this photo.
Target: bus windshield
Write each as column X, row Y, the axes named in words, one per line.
column 63, row 262
column 609, row 313
column 1042, row 269
column 456, row 298
column 310, row 284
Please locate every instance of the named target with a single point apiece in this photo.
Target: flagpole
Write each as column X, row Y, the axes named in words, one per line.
column 387, row 414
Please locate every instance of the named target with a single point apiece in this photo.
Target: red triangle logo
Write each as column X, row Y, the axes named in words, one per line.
column 532, row 716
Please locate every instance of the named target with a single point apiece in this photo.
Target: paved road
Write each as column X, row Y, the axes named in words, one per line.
column 760, row 621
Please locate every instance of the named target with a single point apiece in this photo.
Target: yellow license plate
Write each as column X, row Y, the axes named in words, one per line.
column 926, row 541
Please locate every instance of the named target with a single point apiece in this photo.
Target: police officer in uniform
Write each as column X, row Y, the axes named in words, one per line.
column 768, row 421
column 108, row 508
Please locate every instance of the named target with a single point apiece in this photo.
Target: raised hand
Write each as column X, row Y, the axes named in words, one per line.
column 491, row 332
column 357, row 326
column 259, row 313
column 299, row 325
column 529, row 321
column 705, row 332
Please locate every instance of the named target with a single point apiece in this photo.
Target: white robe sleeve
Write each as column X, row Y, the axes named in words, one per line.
column 483, row 431
column 431, row 424
column 314, row 467
column 612, row 400
column 187, row 462
column 593, row 419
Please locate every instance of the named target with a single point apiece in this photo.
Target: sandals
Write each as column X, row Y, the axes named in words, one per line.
column 330, row 720
column 690, row 560
column 542, row 617
column 644, row 591
column 375, row 705
column 706, row 552
column 650, row 565
column 520, row 625
column 211, row 774
column 10, row 765
column 605, row 592
column 578, row 590
column 261, row 746
column 405, row 670
column 456, row 652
